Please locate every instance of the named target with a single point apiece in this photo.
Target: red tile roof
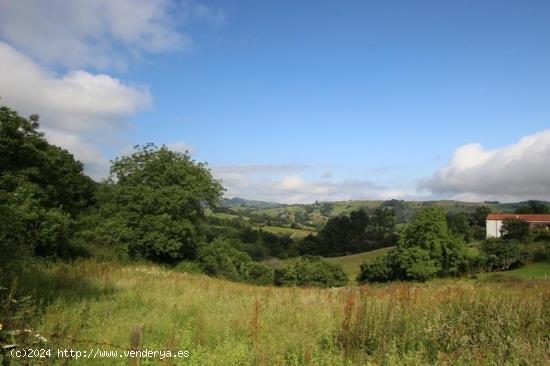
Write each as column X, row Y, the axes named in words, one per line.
column 526, row 217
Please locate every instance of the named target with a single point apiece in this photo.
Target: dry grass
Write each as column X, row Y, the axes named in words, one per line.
column 224, row 323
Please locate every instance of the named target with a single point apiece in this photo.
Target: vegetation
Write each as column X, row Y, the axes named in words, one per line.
column 350, row 263
column 311, row 271
column 458, row 322
column 425, row 250
column 42, row 191
column 154, row 201
column 154, row 228
column 358, row 232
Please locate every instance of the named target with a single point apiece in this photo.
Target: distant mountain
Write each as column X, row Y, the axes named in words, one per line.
column 242, row 202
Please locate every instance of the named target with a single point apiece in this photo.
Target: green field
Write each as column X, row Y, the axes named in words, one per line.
column 293, row 233
column 530, row 271
column 350, row 263
column 90, row 305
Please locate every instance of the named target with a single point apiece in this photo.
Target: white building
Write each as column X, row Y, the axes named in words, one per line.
column 494, row 222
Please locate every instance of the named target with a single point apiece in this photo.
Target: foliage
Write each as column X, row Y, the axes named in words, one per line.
column 425, row 250
column 504, row 254
column 42, row 191
column 459, row 225
column 221, row 259
column 516, row 229
column 533, row 207
column 311, row 271
column 382, row 269
column 155, row 200
column 355, row 233
column 480, row 215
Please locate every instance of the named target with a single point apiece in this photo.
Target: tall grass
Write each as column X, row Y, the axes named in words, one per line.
column 450, row 322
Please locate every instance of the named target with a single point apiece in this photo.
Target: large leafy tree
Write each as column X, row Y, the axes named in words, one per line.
column 155, row 198
column 42, row 190
column 27, row 157
column 426, row 249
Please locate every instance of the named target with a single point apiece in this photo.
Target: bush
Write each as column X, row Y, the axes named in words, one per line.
column 188, row 267
column 381, row 269
column 415, row 264
column 221, row 259
column 311, row 271
column 426, row 250
column 504, row 254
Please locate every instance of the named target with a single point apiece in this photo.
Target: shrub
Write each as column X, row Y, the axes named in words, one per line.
column 415, row 264
column 382, row 269
column 504, row 254
column 221, row 259
column 311, row 271
column 188, row 267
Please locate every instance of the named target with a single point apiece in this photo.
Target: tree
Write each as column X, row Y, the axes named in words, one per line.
column 42, row 191
column 428, row 231
column 221, row 259
column 515, row 229
column 26, row 157
column 158, row 196
column 459, row 225
column 425, row 250
column 504, row 254
column 479, row 216
column 533, row 207
column 311, row 271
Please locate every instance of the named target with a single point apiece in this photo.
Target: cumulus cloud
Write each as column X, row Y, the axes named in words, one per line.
column 510, row 173
column 76, row 109
column 247, row 182
column 99, row 33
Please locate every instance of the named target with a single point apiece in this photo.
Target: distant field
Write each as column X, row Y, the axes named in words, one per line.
column 293, row 233
column 226, row 216
column 350, row 263
column 530, row 271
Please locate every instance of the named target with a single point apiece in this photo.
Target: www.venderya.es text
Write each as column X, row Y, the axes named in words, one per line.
column 43, row 353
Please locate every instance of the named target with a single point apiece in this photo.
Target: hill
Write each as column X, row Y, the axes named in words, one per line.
column 317, row 214
column 236, row 201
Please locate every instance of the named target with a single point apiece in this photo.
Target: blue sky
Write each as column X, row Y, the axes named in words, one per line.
column 305, row 100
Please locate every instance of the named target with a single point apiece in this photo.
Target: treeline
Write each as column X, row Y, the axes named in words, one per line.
column 150, row 207
column 353, row 233
column 429, row 246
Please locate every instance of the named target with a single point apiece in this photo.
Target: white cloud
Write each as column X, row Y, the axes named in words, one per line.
column 96, row 164
column 96, row 33
column 76, row 109
column 262, row 168
column 180, row 146
column 510, row 173
column 246, row 182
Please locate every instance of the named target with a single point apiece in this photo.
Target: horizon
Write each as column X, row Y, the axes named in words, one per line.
column 296, row 103
column 367, row 200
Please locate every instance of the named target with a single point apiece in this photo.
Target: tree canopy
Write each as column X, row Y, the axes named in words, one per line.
column 156, row 197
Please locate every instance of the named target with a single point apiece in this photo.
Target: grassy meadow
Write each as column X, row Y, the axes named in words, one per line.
column 88, row 304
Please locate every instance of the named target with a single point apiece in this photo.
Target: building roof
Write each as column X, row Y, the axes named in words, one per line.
column 526, row 217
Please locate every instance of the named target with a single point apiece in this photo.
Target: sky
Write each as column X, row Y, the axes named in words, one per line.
column 296, row 101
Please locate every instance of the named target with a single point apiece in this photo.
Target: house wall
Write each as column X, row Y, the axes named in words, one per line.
column 493, row 228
